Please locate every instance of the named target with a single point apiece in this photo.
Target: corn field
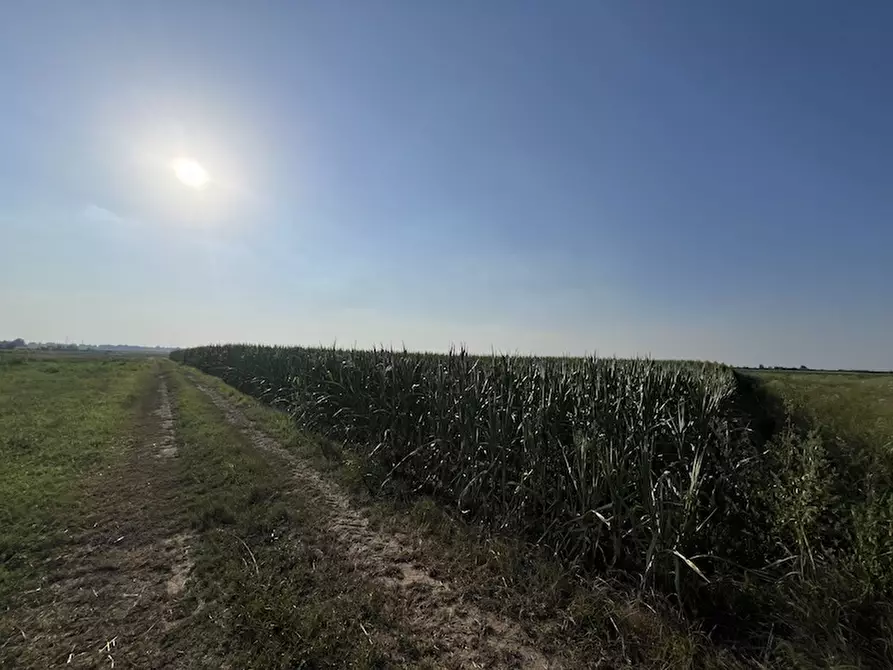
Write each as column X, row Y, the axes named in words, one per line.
column 634, row 465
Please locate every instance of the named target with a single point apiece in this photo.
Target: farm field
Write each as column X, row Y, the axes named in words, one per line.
column 269, row 507
column 141, row 529
column 857, row 407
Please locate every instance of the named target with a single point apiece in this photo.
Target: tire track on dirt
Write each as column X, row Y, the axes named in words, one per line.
column 167, row 443
column 464, row 635
column 111, row 592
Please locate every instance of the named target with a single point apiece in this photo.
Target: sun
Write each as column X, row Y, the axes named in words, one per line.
column 190, row 172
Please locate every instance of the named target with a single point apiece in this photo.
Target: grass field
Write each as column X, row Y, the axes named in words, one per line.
column 58, row 423
column 118, row 549
column 856, row 408
column 360, row 509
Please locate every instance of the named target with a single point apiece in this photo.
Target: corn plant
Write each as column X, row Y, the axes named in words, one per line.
column 618, row 464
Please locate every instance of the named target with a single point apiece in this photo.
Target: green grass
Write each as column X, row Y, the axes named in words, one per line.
column 850, row 420
column 9, row 355
column 61, row 421
column 267, row 587
column 831, row 505
column 856, row 409
column 274, row 590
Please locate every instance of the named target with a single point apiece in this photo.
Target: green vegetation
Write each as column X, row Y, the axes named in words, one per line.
column 265, row 572
column 612, row 625
column 112, row 552
column 848, row 466
column 60, row 421
column 761, row 520
column 642, row 513
column 855, row 409
column 610, row 463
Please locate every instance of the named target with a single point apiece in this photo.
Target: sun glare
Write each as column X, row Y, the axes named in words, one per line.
column 190, row 173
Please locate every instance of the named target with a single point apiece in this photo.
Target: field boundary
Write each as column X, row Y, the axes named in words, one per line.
column 462, row 632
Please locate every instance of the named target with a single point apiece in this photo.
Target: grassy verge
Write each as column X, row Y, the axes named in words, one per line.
column 268, row 584
column 832, row 506
column 61, row 421
column 854, row 409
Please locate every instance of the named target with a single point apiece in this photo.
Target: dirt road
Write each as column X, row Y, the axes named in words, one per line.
column 209, row 544
column 464, row 635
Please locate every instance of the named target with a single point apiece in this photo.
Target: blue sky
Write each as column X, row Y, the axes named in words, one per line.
column 682, row 179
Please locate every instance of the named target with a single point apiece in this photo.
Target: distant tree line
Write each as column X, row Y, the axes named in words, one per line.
column 20, row 343
column 802, row 368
